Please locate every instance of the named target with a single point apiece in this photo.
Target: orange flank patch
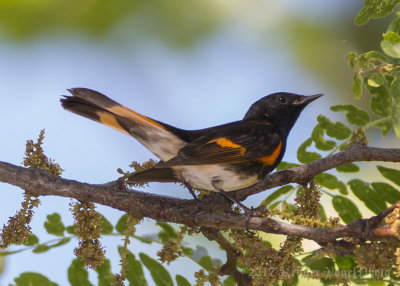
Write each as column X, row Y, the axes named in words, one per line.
column 224, row 142
column 270, row 159
column 137, row 117
column 110, row 120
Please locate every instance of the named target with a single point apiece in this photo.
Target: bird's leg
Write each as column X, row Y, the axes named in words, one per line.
column 244, row 208
column 197, row 200
column 189, row 187
column 248, row 212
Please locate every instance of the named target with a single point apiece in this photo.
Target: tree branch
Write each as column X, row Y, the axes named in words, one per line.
column 189, row 212
column 357, row 152
column 230, row 267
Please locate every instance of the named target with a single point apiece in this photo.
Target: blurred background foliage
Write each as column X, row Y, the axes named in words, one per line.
column 184, row 25
column 181, row 23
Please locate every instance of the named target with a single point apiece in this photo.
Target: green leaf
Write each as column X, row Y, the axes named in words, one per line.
column 62, row 241
column 206, row 262
column 41, row 248
column 394, row 26
column 77, row 274
column 389, row 78
column 354, row 115
column 322, row 214
column 371, row 60
column 352, row 57
column 285, row 165
column 121, row 224
column 187, row 251
column 288, row 208
column 391, row 44
column 348, row 168
column 329, row 181
column 181, row 281
column 345, row 263
column 323, row 264
column 375, row 80
column 307, row 157
column 104, row 274
column 267, row 244
column 317, row 136
column 106, row 226
column 145, row 239
column 374, row 9
column 363, row 16
column 346, row 209
column 274, row 205
column 134, row 273
column 32, row 240
column 45, row 247
column 390, row 174
column 388, row 193
column 380, row 104
column 54, row 225
column 2, row 264
column 334, row 129
column 375, row 282
column 380, row 101
column 294, row 281
column 230, row 281
column 357, row 85
column 5, row 253
column 167, row 231
column 367, row 195
column 160, row 275
column 70, row 229
column 385, row 125
column 33, row 279
column 372, row 83
column 395, row 96
column 308, row 257
column 276, row 194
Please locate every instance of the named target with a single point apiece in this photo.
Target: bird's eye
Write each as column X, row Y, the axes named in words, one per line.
column 282, row 99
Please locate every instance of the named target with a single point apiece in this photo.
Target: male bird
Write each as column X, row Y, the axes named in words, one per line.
column 222, row 158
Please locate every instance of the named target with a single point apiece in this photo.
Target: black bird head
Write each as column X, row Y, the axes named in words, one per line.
column 281, row 108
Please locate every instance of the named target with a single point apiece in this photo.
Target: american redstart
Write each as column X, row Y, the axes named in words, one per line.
column 223, row 158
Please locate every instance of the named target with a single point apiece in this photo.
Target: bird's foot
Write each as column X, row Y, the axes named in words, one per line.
column 253, row 212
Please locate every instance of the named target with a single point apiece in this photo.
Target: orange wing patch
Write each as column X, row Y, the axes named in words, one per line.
column 224, row 142
column 270, row 159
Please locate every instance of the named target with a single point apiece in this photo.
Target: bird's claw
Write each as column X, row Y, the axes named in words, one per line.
column 253, row 212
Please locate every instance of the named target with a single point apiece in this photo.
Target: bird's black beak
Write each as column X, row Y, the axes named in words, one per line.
column 304, row 100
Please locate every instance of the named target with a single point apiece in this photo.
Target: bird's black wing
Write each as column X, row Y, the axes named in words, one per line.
column 236, row 143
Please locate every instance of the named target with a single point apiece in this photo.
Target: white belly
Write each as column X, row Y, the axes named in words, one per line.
column 207, row 176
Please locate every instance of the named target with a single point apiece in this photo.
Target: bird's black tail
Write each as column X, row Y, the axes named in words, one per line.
column 153, row 175
column 161, row 139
